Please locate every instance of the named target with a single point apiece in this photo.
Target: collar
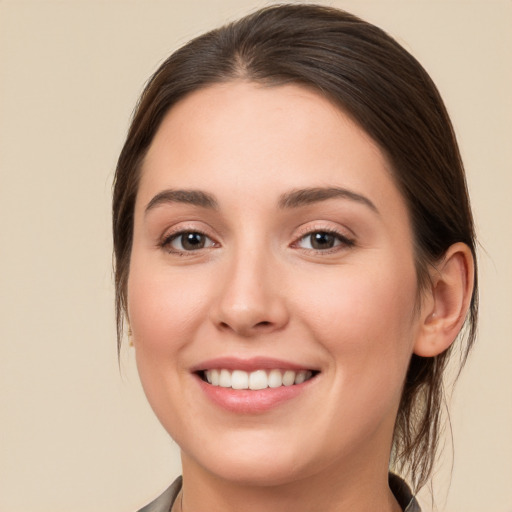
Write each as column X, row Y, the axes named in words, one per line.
column 403, row 494
column 398, row 486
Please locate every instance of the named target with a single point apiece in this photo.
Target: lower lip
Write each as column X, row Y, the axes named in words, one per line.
column 246, row 401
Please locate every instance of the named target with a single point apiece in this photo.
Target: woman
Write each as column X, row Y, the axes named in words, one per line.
column 295, row 257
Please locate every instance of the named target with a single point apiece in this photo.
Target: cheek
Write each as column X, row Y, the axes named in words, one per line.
column 163, row 309
column 366, row 321
column 165, row 312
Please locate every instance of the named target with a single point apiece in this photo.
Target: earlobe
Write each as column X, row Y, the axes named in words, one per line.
column 449, row 297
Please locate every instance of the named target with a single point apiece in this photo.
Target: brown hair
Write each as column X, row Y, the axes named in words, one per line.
column 373, row 79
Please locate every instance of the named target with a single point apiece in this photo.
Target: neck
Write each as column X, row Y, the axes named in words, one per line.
column 331, row 490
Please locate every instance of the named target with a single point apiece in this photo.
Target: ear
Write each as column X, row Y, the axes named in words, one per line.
column 446, row 301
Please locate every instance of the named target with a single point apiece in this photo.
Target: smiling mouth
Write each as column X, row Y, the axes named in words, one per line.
column 255, row 380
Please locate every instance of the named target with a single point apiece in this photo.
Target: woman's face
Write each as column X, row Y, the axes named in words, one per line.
column 271, row 243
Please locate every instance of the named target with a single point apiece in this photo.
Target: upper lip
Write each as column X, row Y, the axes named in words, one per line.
column 249, row 365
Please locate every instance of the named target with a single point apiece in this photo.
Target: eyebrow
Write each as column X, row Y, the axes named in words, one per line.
column 293, row 199
column 193, row 197
column 306, row 196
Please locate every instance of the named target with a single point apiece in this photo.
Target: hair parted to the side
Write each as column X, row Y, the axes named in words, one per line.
column 388, row 93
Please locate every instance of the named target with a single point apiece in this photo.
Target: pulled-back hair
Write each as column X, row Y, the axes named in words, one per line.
column 388, row 93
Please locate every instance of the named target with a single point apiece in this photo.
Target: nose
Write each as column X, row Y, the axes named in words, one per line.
column 251, row 300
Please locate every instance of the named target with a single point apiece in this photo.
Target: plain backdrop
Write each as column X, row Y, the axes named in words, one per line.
column 76, row 434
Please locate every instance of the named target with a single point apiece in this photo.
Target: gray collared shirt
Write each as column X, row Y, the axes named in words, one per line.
column 400, row 489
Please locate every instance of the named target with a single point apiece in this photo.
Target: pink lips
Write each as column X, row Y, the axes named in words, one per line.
column 248, row 365
column 249, row 401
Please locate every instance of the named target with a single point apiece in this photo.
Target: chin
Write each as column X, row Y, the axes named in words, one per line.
column 264, row 471
column 254, row 460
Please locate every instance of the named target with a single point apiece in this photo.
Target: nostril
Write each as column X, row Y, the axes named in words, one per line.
column 225, row 325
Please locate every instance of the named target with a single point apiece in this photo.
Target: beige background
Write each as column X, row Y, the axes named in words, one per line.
column 75, row 434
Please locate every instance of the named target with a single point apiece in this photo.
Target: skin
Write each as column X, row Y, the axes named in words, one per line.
column 258, row 288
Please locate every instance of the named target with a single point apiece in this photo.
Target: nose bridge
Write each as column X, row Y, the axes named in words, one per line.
column 250, row 299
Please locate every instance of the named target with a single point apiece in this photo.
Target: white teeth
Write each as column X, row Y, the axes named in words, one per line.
column 239, row 380
column 275, row 379
column 225, row 379
column 288, row 378
column 300, row 377
column 259, row 379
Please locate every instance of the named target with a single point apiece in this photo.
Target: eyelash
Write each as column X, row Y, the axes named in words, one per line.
column 167, row 241
column 341, row 241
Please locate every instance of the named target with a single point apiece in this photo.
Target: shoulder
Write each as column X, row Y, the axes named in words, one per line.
column 165, row 501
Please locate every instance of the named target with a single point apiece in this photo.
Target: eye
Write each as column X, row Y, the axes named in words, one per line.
column 323, row 241
column 187, row 241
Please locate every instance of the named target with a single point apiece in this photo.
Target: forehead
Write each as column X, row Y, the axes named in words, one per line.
column 247, row 139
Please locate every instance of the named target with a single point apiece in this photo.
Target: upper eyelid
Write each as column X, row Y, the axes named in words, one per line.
column 172, row 236
column 319, row 226
column 186, row 227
